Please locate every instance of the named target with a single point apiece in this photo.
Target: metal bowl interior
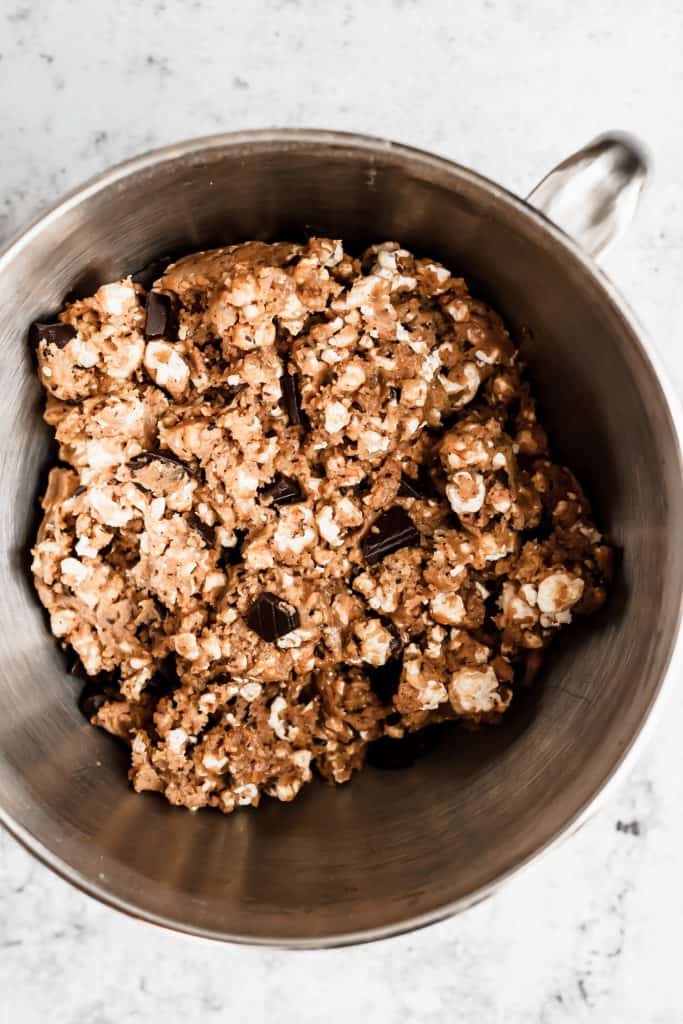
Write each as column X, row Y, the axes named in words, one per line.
column 390, row 851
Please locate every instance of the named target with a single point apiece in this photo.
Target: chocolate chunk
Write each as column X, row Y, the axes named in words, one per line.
column 58, row 334
column 147, row 458
column 151, row 272
column 206, row 532
column 283, row 490
column 271, row 617
column 79, row 490
column 392, row 530
column 157, row 473
column 291, row 396
column 384, row 679
column 395, row 394
column 233, row 555
column 159, row 316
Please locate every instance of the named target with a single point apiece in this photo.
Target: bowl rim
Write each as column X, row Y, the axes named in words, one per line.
column 374, row 146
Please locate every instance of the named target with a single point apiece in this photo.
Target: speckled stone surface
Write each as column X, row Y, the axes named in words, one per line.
column 591, row 932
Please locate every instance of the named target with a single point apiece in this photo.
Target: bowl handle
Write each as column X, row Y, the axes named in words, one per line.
column 594, row 193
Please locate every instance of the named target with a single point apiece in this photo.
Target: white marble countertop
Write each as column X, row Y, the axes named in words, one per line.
column 592, row 932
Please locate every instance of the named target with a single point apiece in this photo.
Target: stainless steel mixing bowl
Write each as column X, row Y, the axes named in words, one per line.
column 390, row 851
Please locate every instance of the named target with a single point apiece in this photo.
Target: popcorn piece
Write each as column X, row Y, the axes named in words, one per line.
column 166, row 367
column 472, row 691
column 558, row 592
column 466, row 493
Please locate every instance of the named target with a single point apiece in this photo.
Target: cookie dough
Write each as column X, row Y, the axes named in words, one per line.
column 304, row 508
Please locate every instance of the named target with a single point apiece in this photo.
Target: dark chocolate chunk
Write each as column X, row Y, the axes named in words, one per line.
column 79, row 490
column 392, row 530
column 159, row 316
column 283, row 490
column 291, row 396
column 271, row 617
column 206, row 532
column 157, row 471
column 233, row 555
column 395, row 394
column 58, row 334
column 151, row 272
column 147, row 458
column 384, row 679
